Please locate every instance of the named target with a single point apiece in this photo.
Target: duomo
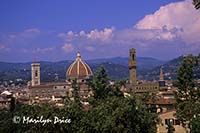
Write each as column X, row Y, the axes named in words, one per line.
column 54, row 92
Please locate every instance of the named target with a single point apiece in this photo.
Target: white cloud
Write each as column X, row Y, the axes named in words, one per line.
column 61, row 35
column 131, row 35
column 95, row 35
column 82, row 33
column 103, row 35
column 70, row 33
column 33, row 30
column 40, row 50
column 67, row 47
column 24, row 35
column 178, row 15
column 69, row 36
column 2, row 47
column 90, row 48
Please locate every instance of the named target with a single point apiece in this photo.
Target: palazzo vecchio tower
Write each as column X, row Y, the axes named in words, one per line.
column 132, row 66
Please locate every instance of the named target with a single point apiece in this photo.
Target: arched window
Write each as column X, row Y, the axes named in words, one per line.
column 36, row 73
column 133, row 57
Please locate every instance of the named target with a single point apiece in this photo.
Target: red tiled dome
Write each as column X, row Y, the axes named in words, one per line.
column 78, row 69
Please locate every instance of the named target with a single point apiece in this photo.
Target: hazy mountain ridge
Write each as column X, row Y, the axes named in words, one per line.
column 56, row 71
column 144, row 63
column 169, row 70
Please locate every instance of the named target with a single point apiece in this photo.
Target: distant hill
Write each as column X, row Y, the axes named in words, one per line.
column 144, row 63
column 117, row 68
column 169, row 70
column 56, row 71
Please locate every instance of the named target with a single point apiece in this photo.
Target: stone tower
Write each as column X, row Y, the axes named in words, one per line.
column 161, row 79
column 35, row 70
column 132, row 66
column 161, row 75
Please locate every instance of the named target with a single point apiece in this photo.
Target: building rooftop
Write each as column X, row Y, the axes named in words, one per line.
column 162, row 101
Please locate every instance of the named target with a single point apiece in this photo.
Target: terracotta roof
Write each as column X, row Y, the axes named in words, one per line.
column 162, row 101
column 167, row 111
column 78, row 69
column 50, row 84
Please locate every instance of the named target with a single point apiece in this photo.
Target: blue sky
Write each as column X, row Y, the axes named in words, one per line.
column 55, row 30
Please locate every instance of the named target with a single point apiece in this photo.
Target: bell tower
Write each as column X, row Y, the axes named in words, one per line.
column 161, row 75
column 161, row 79
column 132, row 66
column 35, row 74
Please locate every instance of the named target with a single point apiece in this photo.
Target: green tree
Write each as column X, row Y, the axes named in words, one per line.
column 121, row 114
column 196, row 4
column 12, row 104
column 76, row 89
column 100, row 84
column 195, row 124
column 112, row 112
column 187, row 95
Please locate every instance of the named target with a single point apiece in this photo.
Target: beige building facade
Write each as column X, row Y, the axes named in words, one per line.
column 169, row 118
column 134, row 84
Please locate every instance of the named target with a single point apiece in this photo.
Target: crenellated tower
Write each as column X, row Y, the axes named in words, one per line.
column 132, row 66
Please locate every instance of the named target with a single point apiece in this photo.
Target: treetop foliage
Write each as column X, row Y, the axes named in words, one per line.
column 196, row 4
column 188, row 93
